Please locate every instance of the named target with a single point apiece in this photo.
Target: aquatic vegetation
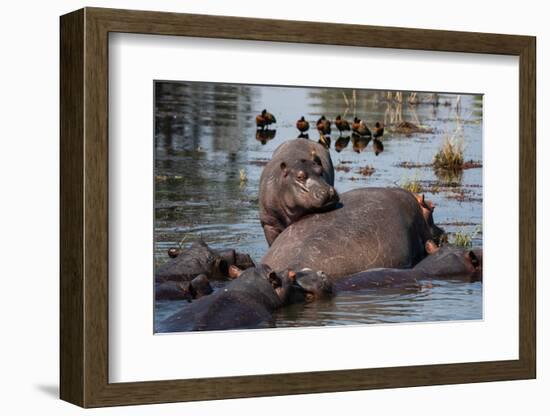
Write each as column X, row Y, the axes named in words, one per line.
column 412, row 185
column 342, row 168
column 450, row 156
column 366, row 171
column 242, row 176
column 408, row 128
column 463, row 238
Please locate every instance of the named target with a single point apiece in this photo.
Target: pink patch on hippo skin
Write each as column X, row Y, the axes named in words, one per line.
column 234, row 272
column 291, row 275
column 431, row 247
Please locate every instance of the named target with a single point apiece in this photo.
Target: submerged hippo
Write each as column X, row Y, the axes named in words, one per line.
column 371, row 228
column 297, row 181
column 246, row 302
column 184, row 290
column 452, row 262
column 201, row 259
column 447, row 262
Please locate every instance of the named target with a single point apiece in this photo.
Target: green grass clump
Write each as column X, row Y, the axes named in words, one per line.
column 412, row 185
column 463, row 238
column 450, row 156
column 242, row 176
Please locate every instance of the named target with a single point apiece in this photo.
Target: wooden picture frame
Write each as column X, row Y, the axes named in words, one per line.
column 84, row 207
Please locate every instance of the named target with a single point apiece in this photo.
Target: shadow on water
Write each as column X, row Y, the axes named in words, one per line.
column 209, row 157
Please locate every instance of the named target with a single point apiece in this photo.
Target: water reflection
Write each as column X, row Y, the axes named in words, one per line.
column 341, row 143
column 359, row 143
column 265, row 135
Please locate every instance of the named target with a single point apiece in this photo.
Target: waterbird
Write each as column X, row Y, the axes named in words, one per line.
column 264, row 119
column 341, row 124
column 323, row 126
column 302, row 125
column 359, row 127
column 378, row 130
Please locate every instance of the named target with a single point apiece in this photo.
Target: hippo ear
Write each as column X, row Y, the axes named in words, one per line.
column 234, row 272
column 431, row 247
column 291, row 275
column 274, row 280
column 315, row 157
column 473, row 258
column 284, row 168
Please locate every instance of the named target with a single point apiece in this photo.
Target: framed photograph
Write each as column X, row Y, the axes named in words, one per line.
column 255, row 207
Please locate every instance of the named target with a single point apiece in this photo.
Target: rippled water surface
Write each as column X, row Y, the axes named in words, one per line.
column 206, row 144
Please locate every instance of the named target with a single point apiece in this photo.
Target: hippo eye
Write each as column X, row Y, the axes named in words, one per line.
column 301, row 176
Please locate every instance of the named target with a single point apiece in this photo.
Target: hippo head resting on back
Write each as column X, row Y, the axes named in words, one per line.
column 303, row 188
column 295, row 188
column 297, row 181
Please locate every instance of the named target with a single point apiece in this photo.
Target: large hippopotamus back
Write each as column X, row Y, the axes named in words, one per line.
column 371, row 228
column 297, row 181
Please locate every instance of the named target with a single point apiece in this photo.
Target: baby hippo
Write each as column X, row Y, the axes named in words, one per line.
column 185, row 290
column 201, row 259
column 246, row 302
column 297, row 181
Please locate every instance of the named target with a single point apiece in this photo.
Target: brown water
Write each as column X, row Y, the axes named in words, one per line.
column 205, row 136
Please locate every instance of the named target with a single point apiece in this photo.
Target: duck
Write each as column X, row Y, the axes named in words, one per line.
column 341, row 124
column 359, row 127
column 302, row 125
column 264, row 119
column 378, row 130
column 323, row 126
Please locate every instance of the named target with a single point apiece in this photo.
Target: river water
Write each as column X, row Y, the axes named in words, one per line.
column 208, row 161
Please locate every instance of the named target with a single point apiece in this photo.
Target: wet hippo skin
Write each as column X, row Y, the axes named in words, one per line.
column 183, row 290
column 201, row 259
column 297, row 181
column 370, row 228
column 244, row 303
column 448, row 262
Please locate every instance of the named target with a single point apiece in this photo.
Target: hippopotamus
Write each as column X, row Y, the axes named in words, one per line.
column 201, row 259
column 186, row 290
column 312, row 285
column 452, row 262
column 246, row 302
column 297, row 181
column 446, row 262
column 370, row 228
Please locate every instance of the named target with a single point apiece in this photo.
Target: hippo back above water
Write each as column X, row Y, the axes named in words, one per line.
column 297, row 181
column 371, row 228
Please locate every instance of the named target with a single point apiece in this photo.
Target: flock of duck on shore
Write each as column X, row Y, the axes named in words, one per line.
column 358, row 128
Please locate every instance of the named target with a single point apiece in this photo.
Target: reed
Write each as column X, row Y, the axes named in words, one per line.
column 450, row 156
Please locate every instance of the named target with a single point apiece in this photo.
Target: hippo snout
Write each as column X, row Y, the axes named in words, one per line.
column 326, row 196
